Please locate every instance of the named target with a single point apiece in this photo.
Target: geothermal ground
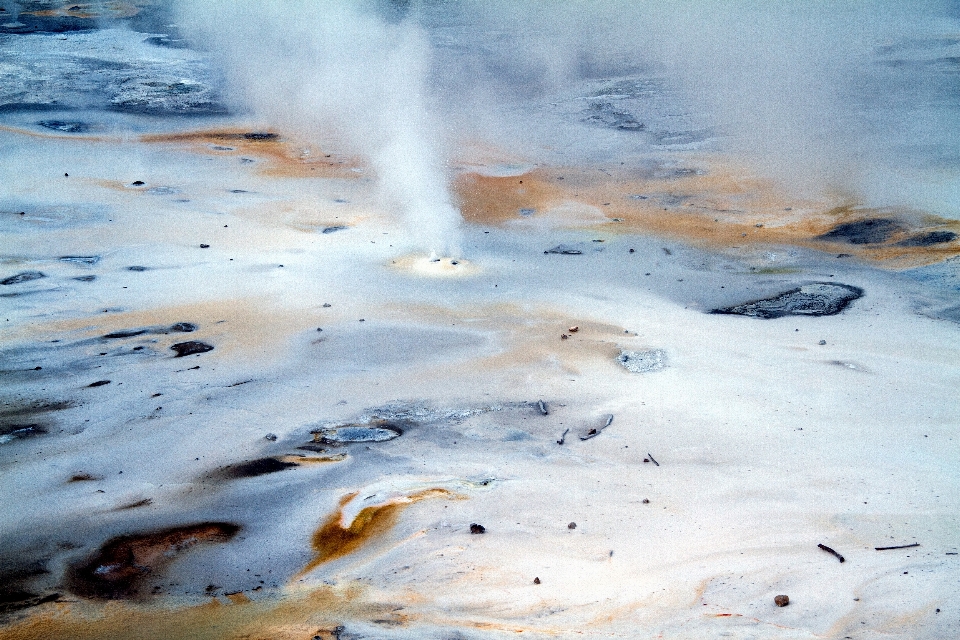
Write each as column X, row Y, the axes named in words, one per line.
column 647, row 396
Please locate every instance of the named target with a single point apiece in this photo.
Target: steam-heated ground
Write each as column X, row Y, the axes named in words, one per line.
column 239, row 400
column 218, row 494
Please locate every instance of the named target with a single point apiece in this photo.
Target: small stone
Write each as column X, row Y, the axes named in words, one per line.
column 536, row 581
column 138, row 183
column 645, row 500
column 782, row 601
column 327, row 305
column 204, row 246
column 191, row 347
column 572, row 525
column 272, row 437
column 477, row 529
column 822, row 342
column 573, row 329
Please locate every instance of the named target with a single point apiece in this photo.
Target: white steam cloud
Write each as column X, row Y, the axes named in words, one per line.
column 855, row 98
column 339, row 71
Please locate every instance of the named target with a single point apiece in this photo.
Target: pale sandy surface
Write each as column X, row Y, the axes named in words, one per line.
column 768, row 442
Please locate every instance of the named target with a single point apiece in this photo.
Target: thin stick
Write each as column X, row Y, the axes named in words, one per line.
column 652, row 460
column 563, row 437
column 831, row 551
column 542, row 406
column 900, row 546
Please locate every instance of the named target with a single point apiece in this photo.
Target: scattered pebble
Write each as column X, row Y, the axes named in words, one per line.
column 536, row 581
column 572, row 525
column 477, row 529
column 782, row 601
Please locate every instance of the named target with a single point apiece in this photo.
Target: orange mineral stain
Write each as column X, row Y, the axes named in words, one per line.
column 333, row 539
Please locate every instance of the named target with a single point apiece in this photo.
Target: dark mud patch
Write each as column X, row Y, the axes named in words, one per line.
column 118, row 569
column 85, row 278
column 928, row 239
column 23, row 276
column 20, row 421
column 65, row 126
column 375, row 431
column 869, row 231
column 190, row 348
column 252, row 468
column 816, row 299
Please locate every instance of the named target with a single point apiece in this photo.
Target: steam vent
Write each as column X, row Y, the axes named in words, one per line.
column 394, row 319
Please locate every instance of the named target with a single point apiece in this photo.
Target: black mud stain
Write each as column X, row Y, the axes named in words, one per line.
column 119, row 568
column 23, row 276
column 65, row 126
column 126, row 333
column 23, row 420
column 869, row 231
column 816, row 299
column 138, row 267
column 928, row 239
column 190, row 347
column 334, row 228
column 83, row 477
column 375, row 431
column 98, row 383
column 84, row 260
column 15, row 594
column 85, row 278
column 253, row 468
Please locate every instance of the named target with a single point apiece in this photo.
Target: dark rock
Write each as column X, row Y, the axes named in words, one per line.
column 334, row 228
column 190, row 347
column 85, row 278
column 869, row 231
column 118, row 568
column 23, row 276
column 84, row 260
column 64, row 126
column 928, row 239
column 565, row 250
column 137, row 267
column 477, row 529
column 572, row 525
column 816, row 299
column 183, row 327
column 782, row 601
column 536, row 581
column 254, row 468
column 204, row 246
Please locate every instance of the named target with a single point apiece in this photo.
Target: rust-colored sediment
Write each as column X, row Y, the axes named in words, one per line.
column 287, row 158
column 718, row 208
column 305, row 615
column 333, row 540
column 117, row 569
